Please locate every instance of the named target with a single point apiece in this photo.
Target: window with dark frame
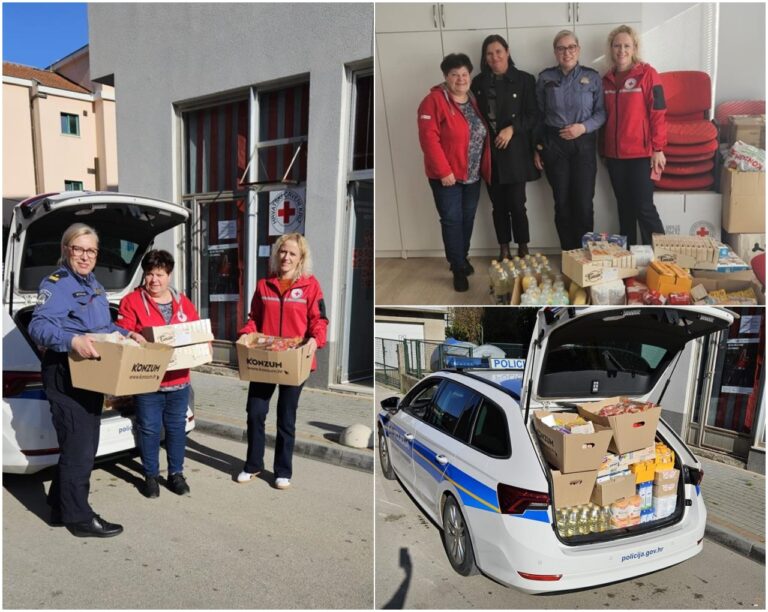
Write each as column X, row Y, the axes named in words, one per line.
column 70, row 124
column 362, row 148
column 73, row 185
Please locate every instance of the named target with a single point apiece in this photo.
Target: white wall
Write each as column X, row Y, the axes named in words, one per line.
column 741, row 52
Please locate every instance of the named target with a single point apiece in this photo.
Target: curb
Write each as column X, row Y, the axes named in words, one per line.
column 343, row 457
column 737, row 543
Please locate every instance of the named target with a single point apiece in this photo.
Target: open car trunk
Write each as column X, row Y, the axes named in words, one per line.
column 594, row 354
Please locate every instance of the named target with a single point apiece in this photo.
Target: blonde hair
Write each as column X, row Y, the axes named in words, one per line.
column 625, row 29
column 562, row 34
column 305, row 262
column 73, row 232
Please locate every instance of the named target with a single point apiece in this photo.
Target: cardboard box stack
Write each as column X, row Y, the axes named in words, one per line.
column 599, row 485
column 190, row 341
column 271, row 359
column 124, row 367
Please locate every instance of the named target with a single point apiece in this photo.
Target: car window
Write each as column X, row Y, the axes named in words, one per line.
column 452, row 410
column 419, row 399
column 490, row 433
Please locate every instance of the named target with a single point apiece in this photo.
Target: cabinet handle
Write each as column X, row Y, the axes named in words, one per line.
column 577, row 12
column 442, row 14
column 569, row 12
column 434, row 15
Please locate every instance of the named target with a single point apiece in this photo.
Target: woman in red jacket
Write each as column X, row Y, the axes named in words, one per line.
column 156, row 303
column 634, row 135
column 288, row 303
column 457, row 154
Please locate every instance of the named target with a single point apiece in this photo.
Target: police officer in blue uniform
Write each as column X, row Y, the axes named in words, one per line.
column 71, row 303
column 570, row 98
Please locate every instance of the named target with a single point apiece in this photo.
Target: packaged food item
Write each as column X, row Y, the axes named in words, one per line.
column 633, row 509
column 646, row 515
column 745, row 158
column 276, row 343
column 653, row 298
column 665, row 457
column 664, row 506
column 624, row 405
column 645, row 491
column 620, row 513
column 610, row 293
column 616, row 239
column 679, row 299
column 668, row 278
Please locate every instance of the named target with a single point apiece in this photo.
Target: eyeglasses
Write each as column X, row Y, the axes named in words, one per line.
column 569, row 48
column 78, row 251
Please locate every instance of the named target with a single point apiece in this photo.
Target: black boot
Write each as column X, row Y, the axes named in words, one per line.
column 151, row 487
column 460, row 282
column 522, row 249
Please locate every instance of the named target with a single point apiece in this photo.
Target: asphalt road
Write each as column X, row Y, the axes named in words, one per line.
column 405, row 538
column 226, row 545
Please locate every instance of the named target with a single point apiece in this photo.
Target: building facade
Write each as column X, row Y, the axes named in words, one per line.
column 58, row 131
column 258, row 118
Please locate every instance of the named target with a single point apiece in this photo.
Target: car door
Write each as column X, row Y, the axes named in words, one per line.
column 401, row 428
column 441, row 438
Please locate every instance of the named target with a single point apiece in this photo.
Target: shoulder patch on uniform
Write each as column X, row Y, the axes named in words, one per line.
column 57, row 276
column 78, row 294
column 43, row 296
column 659, row 103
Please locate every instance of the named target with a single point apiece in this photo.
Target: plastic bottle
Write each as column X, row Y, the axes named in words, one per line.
column 571, row 523
column 528, row 279
column 595, row 522
column 561, row 518
column 583, row 524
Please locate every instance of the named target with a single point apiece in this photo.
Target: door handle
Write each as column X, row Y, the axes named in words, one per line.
column 434, row 15
column 441, row 459
column 409, row 437
column 442, row 14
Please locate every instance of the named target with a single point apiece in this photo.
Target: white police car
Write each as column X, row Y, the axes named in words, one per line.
column 126, row 225
column 462, row 443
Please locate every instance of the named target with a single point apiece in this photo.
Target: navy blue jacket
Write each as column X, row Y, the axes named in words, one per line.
column 69, row 305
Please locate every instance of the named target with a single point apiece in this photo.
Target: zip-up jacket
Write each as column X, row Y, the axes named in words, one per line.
column 635, row 125
column 138, row 310
column 444, row 136
column 300, row 311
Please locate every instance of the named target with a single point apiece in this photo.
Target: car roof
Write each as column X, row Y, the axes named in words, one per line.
column 509, row 381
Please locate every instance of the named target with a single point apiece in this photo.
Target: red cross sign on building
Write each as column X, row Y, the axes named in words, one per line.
column 286, row 212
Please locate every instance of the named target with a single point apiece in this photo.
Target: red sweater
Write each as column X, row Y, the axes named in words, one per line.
column 298, row 312
column 138, row 310
column 444, row 137
column 635, row 124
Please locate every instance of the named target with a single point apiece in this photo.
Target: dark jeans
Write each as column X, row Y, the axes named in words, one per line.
column 633, row 187
column 76, row 416
column 509, row 214
column 456, row 206
column 155, row 411
column 571, row 168
column 259, row 395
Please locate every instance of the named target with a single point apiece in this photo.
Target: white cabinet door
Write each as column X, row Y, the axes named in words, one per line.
column 407, row 17
column 387, row 225
column 594, row 44
column 472, row 16
column 534, row 14
column 409, row 66
column 469, row 42
column 588, row 13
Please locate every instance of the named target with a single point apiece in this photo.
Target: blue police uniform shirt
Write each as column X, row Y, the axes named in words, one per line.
column 576, row 97
column 69, row 305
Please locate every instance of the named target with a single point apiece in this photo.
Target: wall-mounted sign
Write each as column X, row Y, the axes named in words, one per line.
column 287, row 211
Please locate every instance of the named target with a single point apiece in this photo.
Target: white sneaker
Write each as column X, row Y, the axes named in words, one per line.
column 283, row 483
column 246, row 476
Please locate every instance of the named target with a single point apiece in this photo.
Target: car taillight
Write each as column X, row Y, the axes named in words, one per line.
column 513, row 500
column 15, row 383
column 541, row 577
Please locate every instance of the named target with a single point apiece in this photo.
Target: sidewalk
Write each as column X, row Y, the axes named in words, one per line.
column 322, row 415
column 735, row 500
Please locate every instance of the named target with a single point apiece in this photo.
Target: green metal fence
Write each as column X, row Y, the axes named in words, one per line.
column 387, row 362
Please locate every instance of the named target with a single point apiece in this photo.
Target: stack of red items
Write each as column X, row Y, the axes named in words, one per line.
column 276, row 343
column 636, row 291
column 625, row 406
column 654, row 298
column 679, row 299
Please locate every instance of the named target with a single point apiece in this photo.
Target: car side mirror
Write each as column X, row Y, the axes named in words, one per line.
column 391, row 404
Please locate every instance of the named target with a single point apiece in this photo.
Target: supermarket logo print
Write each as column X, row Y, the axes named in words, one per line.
column 642, row 554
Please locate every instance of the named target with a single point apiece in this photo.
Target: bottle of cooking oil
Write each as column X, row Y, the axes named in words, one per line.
column 572, row 522
column 583, row 524
column 605, row 517
column 560, row 519
column 595, row 524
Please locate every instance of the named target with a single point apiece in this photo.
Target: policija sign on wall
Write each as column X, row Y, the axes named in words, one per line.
column 287, row 211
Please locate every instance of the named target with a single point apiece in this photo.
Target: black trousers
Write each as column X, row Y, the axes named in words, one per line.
column 571, row 169
column 509, row 214
column 76, row 416
column 259, row 395
column 632, row 185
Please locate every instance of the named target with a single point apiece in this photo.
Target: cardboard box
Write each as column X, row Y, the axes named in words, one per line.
column 731, row 285
column 122, row 369
column 631, row 432
column 701, row 252
column 745, row 246
column 577, row 266
column 291, row 367
column 690, row 213
column 608, row 492
column 750, row 129
column 666, row 489
column 668, row 278
column 180, row 334
column 665, row 477
column 190, row 356
column 571, row 452
column 743, row 201
column 572, row 489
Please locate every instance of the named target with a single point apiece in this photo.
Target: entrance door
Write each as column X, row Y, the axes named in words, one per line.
column 727, row 400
